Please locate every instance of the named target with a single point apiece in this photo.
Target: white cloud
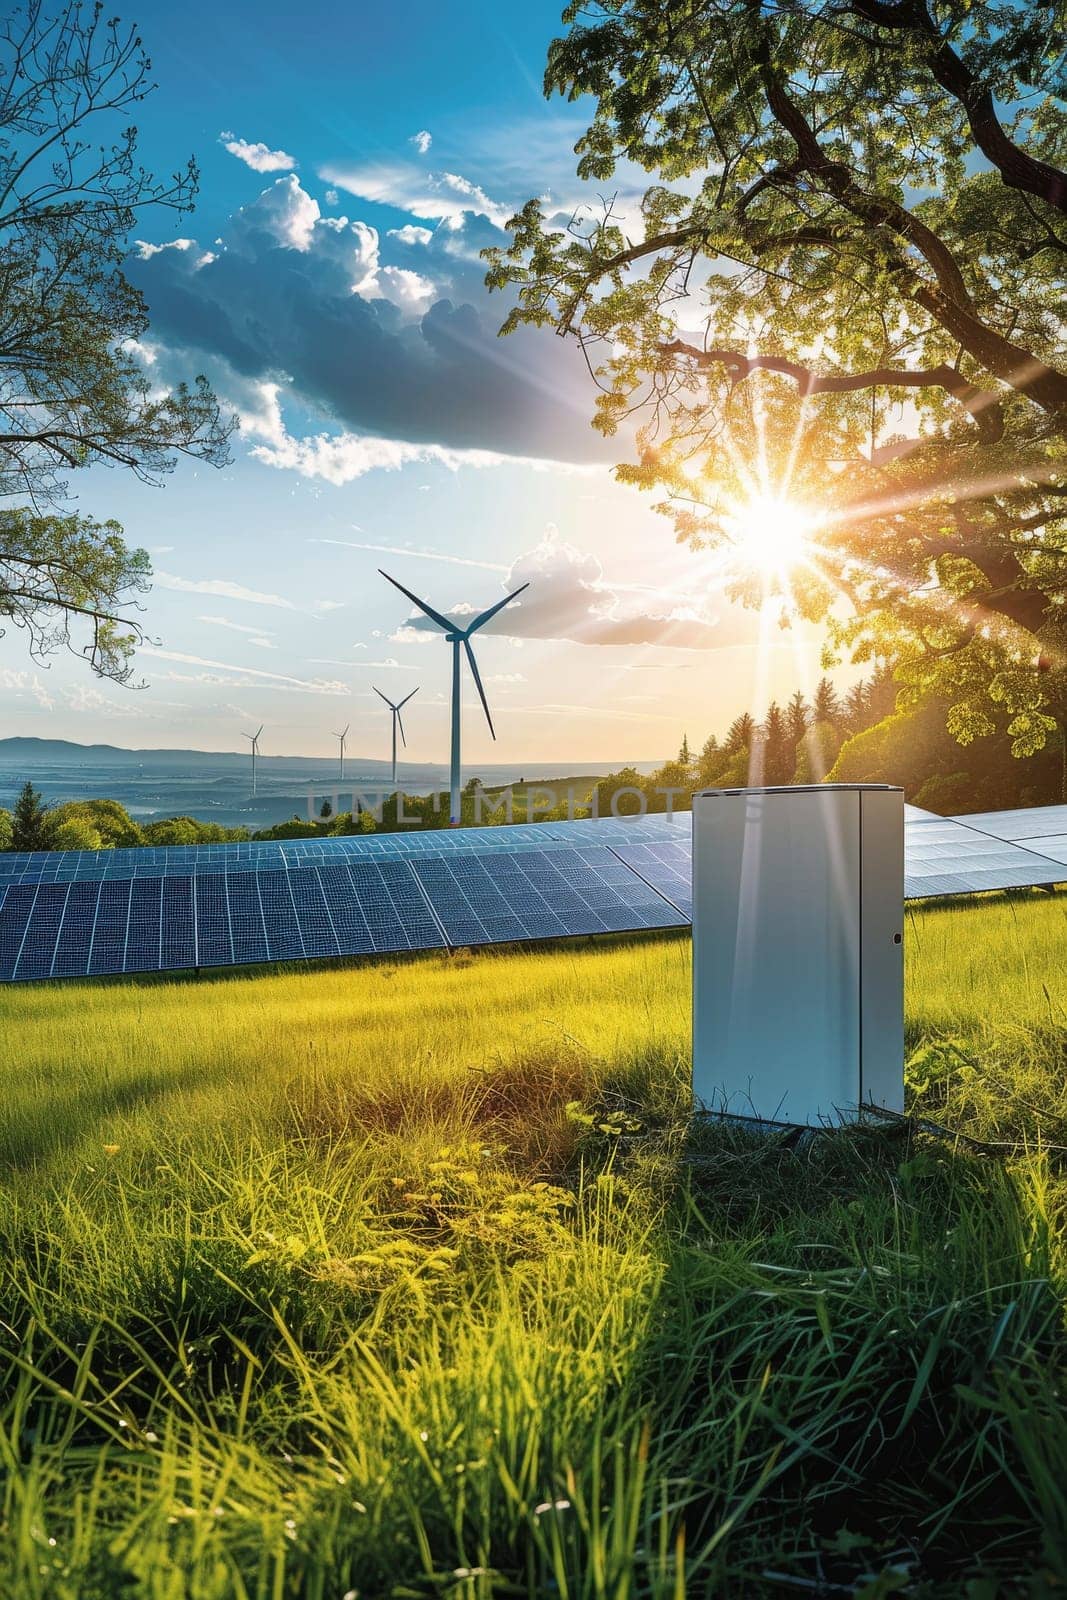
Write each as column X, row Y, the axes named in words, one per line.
column 146, row 251
column 27, row 683
column 276, row 680
column 223, row 588
column 258, row 319
column 260, row 637
column 389, row 664
column 443, row 196
column 340, row 457
column 410, row 233
column 569, row 598
column 83, row 697
column 558, row 708
column 407, row 550
column 286, row 211
column 331, row 197
column 421, row 140
column 258, row 156
column 79, row 697
column 406, row 289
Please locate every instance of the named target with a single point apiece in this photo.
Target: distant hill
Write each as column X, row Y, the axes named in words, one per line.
column 28, row 753
column 23, row 749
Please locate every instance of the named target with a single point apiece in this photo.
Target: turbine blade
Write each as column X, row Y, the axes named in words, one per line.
column 477, row 623
column 407, row 697
column 478, row 682
column 434, row 616
column 384, row 697
column 345, row 734
column 400, row 725
column 260, row 730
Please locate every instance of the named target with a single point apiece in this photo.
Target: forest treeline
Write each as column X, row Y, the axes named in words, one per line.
column 858, row 737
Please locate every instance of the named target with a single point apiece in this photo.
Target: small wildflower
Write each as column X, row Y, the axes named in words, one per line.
column 111, row 1149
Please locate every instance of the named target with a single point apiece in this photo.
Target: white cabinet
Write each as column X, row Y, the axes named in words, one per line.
column 798, row 977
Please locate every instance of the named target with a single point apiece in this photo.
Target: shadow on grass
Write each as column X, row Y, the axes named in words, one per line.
column 859, row 1335
column 31, row 1133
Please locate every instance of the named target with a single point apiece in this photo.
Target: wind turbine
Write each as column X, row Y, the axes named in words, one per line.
column 397, row 723
column 255, row 751
column 457, row 637
column 342, row 737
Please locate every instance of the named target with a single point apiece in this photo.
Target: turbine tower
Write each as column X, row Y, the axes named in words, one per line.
column 459, row 638
column 342, row 737
column 255, row 752
column 397, row 723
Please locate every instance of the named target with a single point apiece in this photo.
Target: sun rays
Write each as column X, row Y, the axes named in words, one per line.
column 769, row 533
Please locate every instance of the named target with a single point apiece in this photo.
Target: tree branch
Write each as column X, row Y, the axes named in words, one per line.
column 982, row 404
column 950, row 301
column 1017, row 168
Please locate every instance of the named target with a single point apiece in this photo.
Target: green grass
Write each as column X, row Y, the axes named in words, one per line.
column 413, row 1279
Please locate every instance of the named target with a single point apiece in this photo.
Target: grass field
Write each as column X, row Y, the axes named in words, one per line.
column 412, row 1279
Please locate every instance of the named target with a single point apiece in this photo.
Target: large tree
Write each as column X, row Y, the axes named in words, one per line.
column 74, row 390
column 844, row 286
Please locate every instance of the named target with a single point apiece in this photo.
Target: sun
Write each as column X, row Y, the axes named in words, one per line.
column 770, row 533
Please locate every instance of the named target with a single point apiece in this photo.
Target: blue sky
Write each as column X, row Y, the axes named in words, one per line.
column 329, row 285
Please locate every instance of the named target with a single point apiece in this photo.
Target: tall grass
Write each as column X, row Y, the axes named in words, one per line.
column 413, row 1279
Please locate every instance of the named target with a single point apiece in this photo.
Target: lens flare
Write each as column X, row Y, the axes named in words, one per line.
column 770, row 533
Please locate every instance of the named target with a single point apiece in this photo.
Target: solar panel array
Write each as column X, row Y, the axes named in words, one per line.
column 211, row 919
column 950, row 855
column 87, row 913
column 256, row 855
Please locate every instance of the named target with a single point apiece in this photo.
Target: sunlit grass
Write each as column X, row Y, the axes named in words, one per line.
column 410, row 1278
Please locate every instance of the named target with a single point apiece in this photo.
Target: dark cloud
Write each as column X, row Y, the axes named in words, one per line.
column 383, row 335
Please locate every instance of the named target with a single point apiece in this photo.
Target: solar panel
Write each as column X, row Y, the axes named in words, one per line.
column 667, row 866
column 1052, row 846
column 944, row 857
column 485, row 899
column 1037, row 822
column 256, row 855
column 91, row 928
column 70, row 958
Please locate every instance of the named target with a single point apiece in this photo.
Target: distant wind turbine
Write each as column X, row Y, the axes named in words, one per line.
column 397, row 723
column 255, row 752
column 457, row 637
column 342, row 737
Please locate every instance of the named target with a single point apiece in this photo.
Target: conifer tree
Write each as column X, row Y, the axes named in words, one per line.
column 797, row 717
column 777, row 753
column 826, row 707
column 739, row 734
column 30, row 822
